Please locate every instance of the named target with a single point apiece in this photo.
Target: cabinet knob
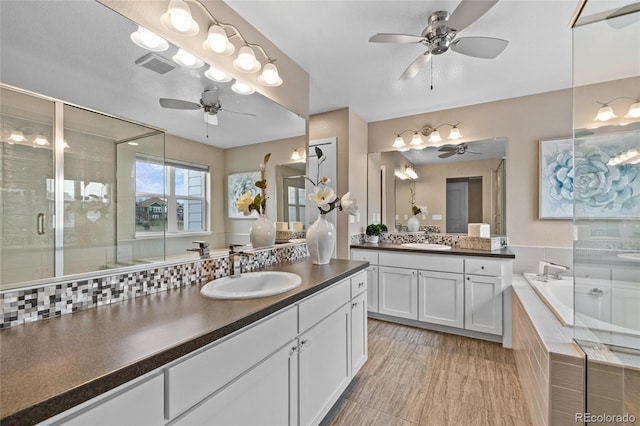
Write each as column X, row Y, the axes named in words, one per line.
column 468, row 278
column 361, row 284
column 354, row 304
column 293, row 350
column 482, row 267
column 304, row 342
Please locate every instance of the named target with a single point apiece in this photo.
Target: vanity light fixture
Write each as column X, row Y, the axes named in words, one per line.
column 178, row 18
column 296, row 156
column 410, row 172
column 218, row 41
column 241, row 88
column 215, row 74
column 605, row 113
column 41, row 140
column 149, row 40
column 187, row 60
column 16, row 136
column 427, row 131
column 631, row 156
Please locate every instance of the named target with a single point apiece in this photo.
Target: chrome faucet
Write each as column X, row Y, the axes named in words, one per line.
column 202, row 249
column 235, row 268
column 553, row 270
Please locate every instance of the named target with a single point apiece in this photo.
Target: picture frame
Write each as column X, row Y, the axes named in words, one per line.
column 555, row 190
column 238, row 184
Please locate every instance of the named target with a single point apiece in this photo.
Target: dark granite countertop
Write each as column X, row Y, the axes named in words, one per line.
column 49, row 366
column 502, row 253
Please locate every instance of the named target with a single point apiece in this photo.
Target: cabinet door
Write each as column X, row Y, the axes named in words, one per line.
column 441, row 298
column 372, row 288
column 483, row 304
column 324, row 365
column 358, row 333
column 398, row 292
column 265, row 395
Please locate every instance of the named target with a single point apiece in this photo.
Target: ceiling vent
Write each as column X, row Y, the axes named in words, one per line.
column 156, row 63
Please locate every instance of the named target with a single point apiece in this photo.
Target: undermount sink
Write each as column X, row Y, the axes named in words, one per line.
column 251, row 285
column 426, row 246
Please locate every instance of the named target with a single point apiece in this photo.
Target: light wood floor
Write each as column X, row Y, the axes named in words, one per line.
column 416, row 376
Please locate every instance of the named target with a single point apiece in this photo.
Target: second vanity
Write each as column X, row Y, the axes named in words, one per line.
column 458, row 291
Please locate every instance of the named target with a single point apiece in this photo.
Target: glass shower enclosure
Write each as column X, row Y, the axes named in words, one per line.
column 67, row 188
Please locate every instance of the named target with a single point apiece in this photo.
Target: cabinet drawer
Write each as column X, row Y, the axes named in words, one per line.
column 480, row 266
column 318, row 306
column 358, row 284
column 370, row 256
column 199, row 376
column 429, row 262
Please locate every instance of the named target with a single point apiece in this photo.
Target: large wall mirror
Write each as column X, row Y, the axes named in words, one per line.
column 81, row 53
column 459, row 184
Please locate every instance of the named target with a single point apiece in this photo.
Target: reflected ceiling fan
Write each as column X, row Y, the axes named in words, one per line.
column 440, row 35
column 450, row 150
column 209, row 102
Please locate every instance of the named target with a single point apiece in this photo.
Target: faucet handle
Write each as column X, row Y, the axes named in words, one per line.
column 202, row 244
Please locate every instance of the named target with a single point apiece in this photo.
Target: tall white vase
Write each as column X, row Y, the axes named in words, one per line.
column 413, row 224
column 320, row 240
column 263, row 232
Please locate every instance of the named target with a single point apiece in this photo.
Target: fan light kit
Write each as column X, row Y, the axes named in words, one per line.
column 178, row 19
column 440, row 34
column 427, row 131
column 605, row 113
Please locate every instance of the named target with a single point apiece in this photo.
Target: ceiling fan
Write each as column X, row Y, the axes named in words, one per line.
column 209, row 102
column 440, row 35
column 450, row 150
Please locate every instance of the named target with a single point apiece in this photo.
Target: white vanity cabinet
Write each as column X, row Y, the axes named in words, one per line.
column 370, row 256
column 359, row 316
column 441, row 298
column 398, row 292
column 483, row 295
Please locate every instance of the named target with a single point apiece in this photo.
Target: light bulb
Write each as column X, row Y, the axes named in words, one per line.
column 186, row 59
column 149, row 40
column 295, row 155
column 17, row 136
column 454, row 133
column 398, row 142
column 270, row 76
column 634, row 110
column 246, row 60
column 41, row 140
column 241, row 88
column 605, row 113
column 435, row 136
column 217, row 39
column 179, row 21
column 215, row 74
column 178, row 18
column 416, row 139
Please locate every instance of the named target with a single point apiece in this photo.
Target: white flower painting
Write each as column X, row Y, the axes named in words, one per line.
column 239, row 184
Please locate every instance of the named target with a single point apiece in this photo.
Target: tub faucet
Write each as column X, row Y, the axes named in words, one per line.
column 554, row 270
column 235, row 267
column 202, row 249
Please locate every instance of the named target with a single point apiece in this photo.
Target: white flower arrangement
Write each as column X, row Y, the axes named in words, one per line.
column 247, row 204
column 415, row 208
column 324, row 197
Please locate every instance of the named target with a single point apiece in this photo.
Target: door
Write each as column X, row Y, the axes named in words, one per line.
column 265, row 395
column 441, row 296
column 398, row 292
column 457, row 206
column 372, row 288
column 358, row 333
column 483, row 304
column 324, row 365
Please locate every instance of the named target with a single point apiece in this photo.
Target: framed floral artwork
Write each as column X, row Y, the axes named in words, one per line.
column 556, row 179
column 238, row 184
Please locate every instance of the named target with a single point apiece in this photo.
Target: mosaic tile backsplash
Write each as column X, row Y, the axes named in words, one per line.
column 27, row 305
column 453, row 240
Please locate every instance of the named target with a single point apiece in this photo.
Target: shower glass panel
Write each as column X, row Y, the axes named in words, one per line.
column 27, row 196
column 606, row 191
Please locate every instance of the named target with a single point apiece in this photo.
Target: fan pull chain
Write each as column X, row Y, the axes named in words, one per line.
column 431, row 63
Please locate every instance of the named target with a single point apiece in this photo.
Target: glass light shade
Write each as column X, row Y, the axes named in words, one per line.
column 605, row 113
column 634, row 111
column 149, row 40
column 246, row 60
column 241, row 88
column 17, row 136
column 65, row 145
column 186, row 59
column 454, row 134
column 416, row 139
column 178, row 18
column 295, row 155
column 217, row 39
column 398, row 142
column 270, row 76
column 435, row 136
column 215, row 74
column 41, row 140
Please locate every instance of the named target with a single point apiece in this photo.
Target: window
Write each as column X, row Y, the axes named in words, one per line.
column 170, row 196
column 295, row 203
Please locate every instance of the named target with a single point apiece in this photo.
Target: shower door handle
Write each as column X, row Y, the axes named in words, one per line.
column 40, row 223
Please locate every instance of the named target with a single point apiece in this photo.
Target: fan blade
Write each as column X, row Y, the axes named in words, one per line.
column 236, row 112
column 471, row 152
column 479, row 47
column 178, row 104
column 210, row 97
column 395, row 38
column 413, row 69
column 467, row 12
column 447, row 148
column 447, row 154
column 211, row 118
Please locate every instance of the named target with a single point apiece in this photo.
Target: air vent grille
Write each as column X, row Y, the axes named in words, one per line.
column 156, row 63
